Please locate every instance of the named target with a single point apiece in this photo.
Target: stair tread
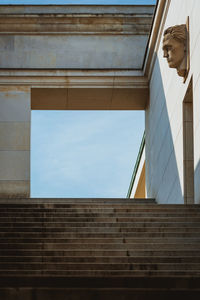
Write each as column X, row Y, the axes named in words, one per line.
column 99, row 239
column 102, row 273
column 124, row 240
column 97, row 252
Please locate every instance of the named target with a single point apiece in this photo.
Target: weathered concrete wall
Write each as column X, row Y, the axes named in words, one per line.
column 69, row 52
column 14, row 141
column 78, row 37
column 164, row 116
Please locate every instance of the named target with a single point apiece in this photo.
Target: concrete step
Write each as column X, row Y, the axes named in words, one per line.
column 79, row 204
column 111, row 246
column 54, row 219
column 41, row 201
column 78, row 209
column 100, row 206
column 18, row 266
column 103, row 209
column 97, row 273
column 102, row 259
column 92, row 235
column 63, row 229
column 98, row 252
column 102, row 294
column 100, row 214
column 67, row 224
column 103, row 282
column 96, row 240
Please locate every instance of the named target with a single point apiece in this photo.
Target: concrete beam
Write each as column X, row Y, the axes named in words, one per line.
column 74, row 37
column 115, row 90
column 88, row 99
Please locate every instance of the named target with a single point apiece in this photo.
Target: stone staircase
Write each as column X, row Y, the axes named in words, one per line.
column 98, row 249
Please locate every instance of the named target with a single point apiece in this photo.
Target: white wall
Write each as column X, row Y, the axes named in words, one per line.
column 164, row 121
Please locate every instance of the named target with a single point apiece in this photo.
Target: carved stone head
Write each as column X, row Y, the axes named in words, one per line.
column 175, row 48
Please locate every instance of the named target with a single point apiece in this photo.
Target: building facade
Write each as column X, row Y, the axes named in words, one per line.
column 103, row 57
column 173, row 114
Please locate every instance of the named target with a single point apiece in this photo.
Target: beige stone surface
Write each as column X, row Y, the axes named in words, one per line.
column 14, row 189
column 196, row 104
column 14, row 136
column 15, row 165
column 89, row 98
column 130, row 99
column 93, row 98
column 188, row 146
column 141, row 190
column 15, row 104
column 15, row 114
column 189, row 168
column 196, row 184
column 139, row 184
column 49, row 98
column 189, row 141
column 196, row 146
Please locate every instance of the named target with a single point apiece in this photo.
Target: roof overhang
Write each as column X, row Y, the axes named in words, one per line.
column 77, row 47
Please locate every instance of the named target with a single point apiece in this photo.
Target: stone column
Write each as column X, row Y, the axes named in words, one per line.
column 15, row 112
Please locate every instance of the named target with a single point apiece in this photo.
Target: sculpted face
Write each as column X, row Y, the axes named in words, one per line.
column 174, row 51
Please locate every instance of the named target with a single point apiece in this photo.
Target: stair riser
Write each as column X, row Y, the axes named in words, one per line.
column 99, row 273
column 55, row 220
column 127, row 282
column 95, row 253
column 52, row 246
column 152, row 240
column 65, row 201
column 102, row 259
column 101, row 230
column 77, row 205
column 91, row 294
column 103, row 224
column 134, row 235
column 100, row 266
column 65, row 215
column 113, row 210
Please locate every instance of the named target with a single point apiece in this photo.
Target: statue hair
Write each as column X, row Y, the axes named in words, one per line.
column 177, row 32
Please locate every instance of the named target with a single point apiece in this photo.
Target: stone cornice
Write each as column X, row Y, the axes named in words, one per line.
column 74, row 78
column 76, row 9
column 53, row 20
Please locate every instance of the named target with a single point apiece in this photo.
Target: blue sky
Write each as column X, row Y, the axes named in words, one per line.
column 83, row 153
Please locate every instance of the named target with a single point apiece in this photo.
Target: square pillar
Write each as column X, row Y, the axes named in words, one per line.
column 15, row 115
